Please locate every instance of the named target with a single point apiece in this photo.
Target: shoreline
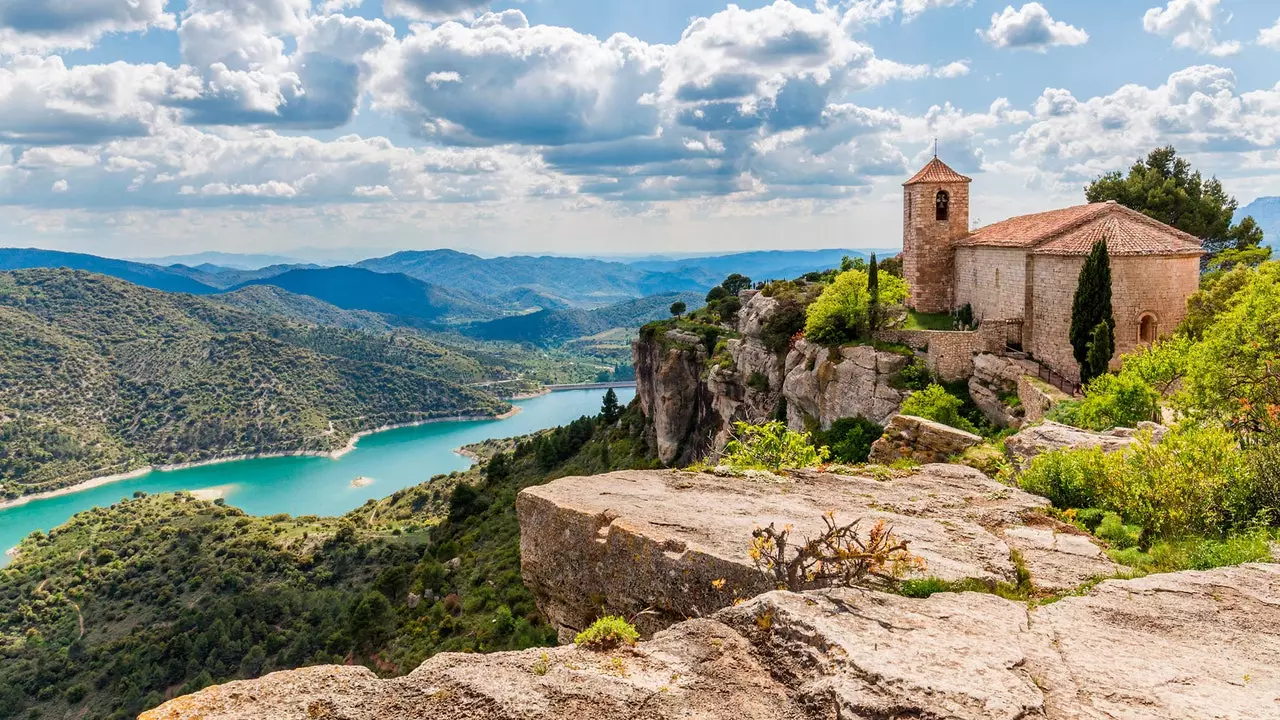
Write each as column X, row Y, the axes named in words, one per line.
column 331, row 454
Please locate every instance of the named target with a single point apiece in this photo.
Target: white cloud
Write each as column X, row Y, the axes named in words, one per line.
column 1270, row 37
column 435, row 9
column 1197, row 109
column 1192, row 24
column 45, row 25
column 1031, row 28
column 913, row 8
column 60, row 186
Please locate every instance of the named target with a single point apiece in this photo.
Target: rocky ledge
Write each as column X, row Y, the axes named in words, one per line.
column 671, row 545
column 1182, row 646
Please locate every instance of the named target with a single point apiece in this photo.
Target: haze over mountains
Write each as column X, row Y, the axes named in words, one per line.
column 1266, row 211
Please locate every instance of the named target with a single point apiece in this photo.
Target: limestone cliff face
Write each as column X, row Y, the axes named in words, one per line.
column 693, row 402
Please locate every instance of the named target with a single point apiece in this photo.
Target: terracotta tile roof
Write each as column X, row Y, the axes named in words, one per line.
column 1074, row 230
column 936, row 172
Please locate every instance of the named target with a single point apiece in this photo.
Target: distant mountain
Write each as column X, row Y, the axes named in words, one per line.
column 235, row 261
column 98, row 376
column 581, row 282
column 224, row 278
column 1266, row 211
column 407, row 300
column 761, row 265
column 271, row 300
column 150, row 276
column 552, row 327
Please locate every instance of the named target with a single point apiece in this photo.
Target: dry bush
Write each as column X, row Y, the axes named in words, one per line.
column 838, row 557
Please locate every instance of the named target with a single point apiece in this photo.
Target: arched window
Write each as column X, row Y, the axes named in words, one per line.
column 1148, row 329
column 942, row 202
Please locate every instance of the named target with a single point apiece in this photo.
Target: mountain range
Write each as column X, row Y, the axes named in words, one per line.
column 551, row 327
column 1266, row 212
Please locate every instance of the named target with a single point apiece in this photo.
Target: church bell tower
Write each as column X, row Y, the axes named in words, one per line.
column 935, row 214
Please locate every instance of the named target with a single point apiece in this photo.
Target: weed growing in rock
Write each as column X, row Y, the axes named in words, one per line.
column 838, row 557
column 607, row 633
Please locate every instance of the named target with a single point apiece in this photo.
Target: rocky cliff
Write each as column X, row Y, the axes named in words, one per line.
column 692, row 398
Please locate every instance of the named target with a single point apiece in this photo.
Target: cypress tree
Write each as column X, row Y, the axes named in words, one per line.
column 1092, row 304
column 1102, row 346
column 873, row 289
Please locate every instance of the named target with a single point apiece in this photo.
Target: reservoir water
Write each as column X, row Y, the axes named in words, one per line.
column 393, row 459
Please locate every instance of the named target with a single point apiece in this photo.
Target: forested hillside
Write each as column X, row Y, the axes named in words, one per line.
column 124, row 607
column 550, row 327
column 152, row 276
column 100, row 376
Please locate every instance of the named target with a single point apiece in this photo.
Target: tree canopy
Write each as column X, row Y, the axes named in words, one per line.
column 1165, row 187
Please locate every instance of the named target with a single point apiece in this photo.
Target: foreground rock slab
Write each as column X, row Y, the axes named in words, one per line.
column 1183, row 646
column 1050, row 436
column 674, row 545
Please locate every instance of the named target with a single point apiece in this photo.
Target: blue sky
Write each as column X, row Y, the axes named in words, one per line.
column 154, row 127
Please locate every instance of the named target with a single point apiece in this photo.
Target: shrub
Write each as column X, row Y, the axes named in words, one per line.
column 1065, row 477
column 1118, row 401
column 607, row 633
column 1066, row 412
column 782, row 325
column 838, row 557
column 1114, row 531
column 936, row 404
column 842, row 312
column 915, row 376
column 758, row 382
column 771, row 447
column 849, row 439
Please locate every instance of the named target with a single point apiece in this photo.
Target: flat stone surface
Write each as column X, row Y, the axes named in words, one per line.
column 663, row 540
column 1183, row 646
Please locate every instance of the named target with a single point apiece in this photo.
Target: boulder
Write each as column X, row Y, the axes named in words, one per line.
column 676, row 544
column 1182, row 646
column 1049, row 436
column 914, row 438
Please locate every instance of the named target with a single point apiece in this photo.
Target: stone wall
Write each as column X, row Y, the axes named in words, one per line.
column 950, row 352
column 1158, row 286
column 928, row 254
column 992, row 281
column 1144, row 285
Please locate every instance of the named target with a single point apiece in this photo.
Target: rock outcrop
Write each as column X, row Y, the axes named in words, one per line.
column 993, row 379
column 676, row 544
column 1049, row 436
column 693, row 400
column 673, row 395
column 827, row 384
column 1183, row 646
column 914, row 438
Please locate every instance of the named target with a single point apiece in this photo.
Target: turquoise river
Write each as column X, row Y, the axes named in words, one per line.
column 392, row 459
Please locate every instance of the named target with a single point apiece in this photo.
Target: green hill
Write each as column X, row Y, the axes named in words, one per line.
column 100, row 376
column 408, row 300
column 552, row 327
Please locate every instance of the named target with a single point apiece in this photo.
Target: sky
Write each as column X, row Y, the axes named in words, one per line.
column 596, row 127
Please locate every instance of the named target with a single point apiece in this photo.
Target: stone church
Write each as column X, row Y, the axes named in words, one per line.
column 1026, row 268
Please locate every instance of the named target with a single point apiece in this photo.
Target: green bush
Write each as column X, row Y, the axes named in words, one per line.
column 1066, row 412
column 1114, row 531
column 850, row 439
column 1196, row 480
column 771, row 447
column 936, row 404
column 1112, row 401
column 758, row 382
column 607, row 633
column 1065, row 477
column 915, row 376
column 841, row 312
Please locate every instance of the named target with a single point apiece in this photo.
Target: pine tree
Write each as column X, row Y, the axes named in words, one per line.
column 610, row 410
column 1092, row 303
column 1102, row 345
column 873, row 289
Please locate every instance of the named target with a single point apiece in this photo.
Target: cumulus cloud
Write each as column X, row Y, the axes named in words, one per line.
column 1198, row 109
column 1192, row 24
column 1031, row 28
column 434, row 9
column 1270, row 37
column 31, row 26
